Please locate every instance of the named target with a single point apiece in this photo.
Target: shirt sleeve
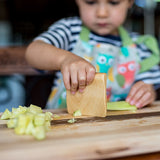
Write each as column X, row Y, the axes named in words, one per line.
column 58, row 34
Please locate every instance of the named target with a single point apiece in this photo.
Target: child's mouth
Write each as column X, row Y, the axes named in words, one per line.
column 102, row 25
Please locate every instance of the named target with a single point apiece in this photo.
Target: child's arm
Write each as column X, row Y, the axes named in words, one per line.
column 141, row 94
column 77, row 72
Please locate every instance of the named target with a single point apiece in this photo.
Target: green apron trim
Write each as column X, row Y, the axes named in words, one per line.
column 126, row 39
column 149, row 41
column 154, row 59
column 84, row 35
column 151, row 44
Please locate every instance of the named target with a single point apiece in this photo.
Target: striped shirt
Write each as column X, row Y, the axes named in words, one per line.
column 65, row 33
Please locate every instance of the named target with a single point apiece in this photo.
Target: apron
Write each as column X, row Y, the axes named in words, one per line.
column 121, row 64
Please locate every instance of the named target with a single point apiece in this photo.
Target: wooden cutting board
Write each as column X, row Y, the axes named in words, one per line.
column 120, row 134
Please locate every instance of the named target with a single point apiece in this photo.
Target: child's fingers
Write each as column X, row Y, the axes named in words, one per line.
column 136, row 98
column 74, row 81
column 149, row 95
column 144, row 100
column 66, row 79
column 90, row 74
column 82, row 80
column 142, row 95
column 77, row 75
column 133, row 92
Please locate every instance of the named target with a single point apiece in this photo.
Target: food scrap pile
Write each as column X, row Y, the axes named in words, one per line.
column 28, row 120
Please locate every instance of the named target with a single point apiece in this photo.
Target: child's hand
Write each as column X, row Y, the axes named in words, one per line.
column 141, row 94
column 77, row 73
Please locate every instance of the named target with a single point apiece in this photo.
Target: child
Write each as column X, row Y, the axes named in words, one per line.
column 97, row 42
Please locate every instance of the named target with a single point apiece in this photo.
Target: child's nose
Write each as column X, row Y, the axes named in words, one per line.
column 102, row 11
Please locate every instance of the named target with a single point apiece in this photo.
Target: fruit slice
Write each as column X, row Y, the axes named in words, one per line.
column 120, row 106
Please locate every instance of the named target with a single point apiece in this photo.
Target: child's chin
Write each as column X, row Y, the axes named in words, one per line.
column 108, row 32
column 102, row 33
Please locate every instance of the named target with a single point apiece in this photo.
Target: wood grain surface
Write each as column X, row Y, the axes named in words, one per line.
column 88, row 101
column 121, row 135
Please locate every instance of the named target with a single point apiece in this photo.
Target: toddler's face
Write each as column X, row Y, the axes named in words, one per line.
column 104, row 16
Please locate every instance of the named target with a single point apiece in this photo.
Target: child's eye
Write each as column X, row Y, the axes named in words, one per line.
column 113, row 2
column 90, row 2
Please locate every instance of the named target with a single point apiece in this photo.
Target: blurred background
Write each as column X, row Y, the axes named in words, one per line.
column 22, row 20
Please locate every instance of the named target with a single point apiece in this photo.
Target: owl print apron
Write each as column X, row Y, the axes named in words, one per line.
column 121, row 64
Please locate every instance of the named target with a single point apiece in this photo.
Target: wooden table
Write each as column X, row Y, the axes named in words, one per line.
column 37, row 85
column 123, row 135
column 12, row 60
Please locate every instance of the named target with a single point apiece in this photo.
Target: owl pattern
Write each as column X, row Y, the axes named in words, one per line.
column 104, row 62
column 126, row 73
